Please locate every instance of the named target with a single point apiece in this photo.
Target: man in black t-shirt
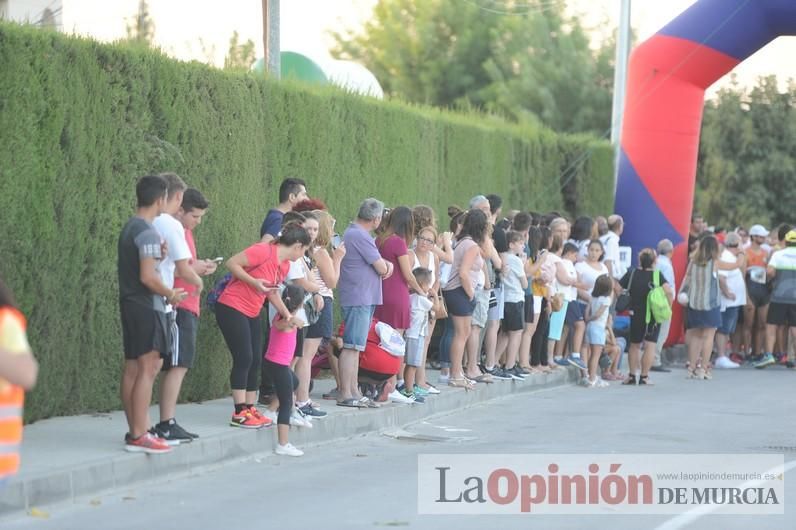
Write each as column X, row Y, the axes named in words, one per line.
column 291, row 192
column 639, row 282
column 142, row 305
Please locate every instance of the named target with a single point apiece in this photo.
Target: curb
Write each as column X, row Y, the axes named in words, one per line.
column 125, row 469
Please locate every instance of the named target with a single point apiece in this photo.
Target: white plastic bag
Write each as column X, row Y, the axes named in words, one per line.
column 391, row 340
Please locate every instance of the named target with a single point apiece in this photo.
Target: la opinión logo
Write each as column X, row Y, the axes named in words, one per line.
column 504, row 486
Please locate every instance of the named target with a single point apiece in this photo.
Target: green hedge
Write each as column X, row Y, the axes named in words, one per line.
column 82, row 120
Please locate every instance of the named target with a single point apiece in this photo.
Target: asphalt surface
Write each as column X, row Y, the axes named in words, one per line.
column 371, row 481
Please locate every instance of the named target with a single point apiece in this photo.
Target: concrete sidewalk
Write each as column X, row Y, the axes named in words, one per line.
column 72, row 457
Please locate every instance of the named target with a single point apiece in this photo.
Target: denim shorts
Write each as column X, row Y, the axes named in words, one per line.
column 357, row 326
column 322, row 329
column 595, row 333
column 729, row 320
column 458, row 303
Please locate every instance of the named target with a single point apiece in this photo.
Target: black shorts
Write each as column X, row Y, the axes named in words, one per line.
column 513, row 316
column 300, row 333
column 144, row 330
column 187, row 328
column 322, row 329
column 640, row 331
column 759, row 293
column 529, row 314
column 458, row 303
column 781, row 314
column 575, row 312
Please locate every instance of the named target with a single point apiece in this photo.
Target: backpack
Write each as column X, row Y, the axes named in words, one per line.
column 657, row 302
column 215, row 292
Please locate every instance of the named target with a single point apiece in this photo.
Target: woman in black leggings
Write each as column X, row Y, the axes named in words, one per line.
column 256, row 274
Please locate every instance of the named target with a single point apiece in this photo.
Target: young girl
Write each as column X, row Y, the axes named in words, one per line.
column 597, row 320
column 281, row 346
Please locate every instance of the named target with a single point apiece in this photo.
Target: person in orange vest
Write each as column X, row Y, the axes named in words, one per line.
column 18, row 371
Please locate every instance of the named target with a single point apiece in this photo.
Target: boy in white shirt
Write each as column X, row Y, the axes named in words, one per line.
column 420, row 306
column 514, row 284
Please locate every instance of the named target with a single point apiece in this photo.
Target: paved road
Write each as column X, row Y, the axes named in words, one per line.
column 370, row 481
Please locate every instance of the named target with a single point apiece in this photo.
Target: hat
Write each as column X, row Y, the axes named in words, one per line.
column 758, row 230
column 790, row 237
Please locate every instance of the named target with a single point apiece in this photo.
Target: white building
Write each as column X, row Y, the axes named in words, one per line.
column 45, row 13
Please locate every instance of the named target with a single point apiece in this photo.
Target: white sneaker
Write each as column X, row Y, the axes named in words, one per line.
column 443, row 379
column 397, row 397
column 602, row 383
column 270, row 414
column 299, row 421
column 584, row 381
column 725, row 362
column 432, row 390
column 288, row 450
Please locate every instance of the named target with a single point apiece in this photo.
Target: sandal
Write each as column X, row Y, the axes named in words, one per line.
column 461, row 383
column 644, row 380
column 484, row 378
column 631, row 380
column 368, row 403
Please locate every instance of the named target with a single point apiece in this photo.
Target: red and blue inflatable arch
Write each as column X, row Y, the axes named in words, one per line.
column 667, row 78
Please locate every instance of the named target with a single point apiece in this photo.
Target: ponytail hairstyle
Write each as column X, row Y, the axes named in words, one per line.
column 293, row 297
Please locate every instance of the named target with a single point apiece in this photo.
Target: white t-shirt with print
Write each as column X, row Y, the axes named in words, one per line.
column 173, row 233
column 611, row 245
column 735, row 283
column 570, row 292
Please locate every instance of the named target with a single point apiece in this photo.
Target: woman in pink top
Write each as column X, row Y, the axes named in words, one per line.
column 281, row 347
column 256, row 272
column 465, row 276
column 393, row 246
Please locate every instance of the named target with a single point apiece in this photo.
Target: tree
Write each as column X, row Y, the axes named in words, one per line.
column 141, row 29
column 747, row 157
column 529, row 62
column 239, row 56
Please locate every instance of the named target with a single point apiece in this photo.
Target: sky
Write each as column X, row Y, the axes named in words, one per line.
column 200, row 30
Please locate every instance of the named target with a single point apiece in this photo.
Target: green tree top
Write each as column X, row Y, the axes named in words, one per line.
column 530, row 62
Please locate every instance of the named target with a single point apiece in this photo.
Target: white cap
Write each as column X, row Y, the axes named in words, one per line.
column 758, row 230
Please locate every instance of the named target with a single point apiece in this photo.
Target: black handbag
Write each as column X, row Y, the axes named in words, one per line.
column 623, row 300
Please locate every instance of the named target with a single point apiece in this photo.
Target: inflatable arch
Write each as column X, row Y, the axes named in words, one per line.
column 667, row 79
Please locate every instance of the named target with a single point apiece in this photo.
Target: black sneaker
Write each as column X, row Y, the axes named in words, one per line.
column 178, row 428
column 154, row 431
column 499, row 373
column 172, row 433
column 308, row 410
column 519, row 372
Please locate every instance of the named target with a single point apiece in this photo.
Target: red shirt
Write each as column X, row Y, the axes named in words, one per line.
column 374, row 358
column 191, row 302
column 264, row 264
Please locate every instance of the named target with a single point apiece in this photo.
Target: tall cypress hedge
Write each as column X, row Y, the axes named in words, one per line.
column 81, row 121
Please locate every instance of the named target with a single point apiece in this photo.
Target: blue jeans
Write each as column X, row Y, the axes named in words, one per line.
column 445, row 344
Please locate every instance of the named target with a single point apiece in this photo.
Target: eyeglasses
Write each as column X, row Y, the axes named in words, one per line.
column 426, row 240
column 732, row 246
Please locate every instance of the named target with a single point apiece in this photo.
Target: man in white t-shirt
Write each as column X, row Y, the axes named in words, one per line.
column 177, row 261
column 616, row 226
column 733, row 297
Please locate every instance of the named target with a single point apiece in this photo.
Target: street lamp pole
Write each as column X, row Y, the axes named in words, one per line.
column 620, row 82
column 271, row 38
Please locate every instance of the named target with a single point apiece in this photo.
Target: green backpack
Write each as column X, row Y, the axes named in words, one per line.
column 657, row 302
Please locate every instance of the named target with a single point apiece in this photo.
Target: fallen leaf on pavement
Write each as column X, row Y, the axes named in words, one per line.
column 41, row 514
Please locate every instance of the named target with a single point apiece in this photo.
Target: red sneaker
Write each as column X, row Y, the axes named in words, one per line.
column 246, row 420
column 146, row 443
column 266, row 421
column 737, row 358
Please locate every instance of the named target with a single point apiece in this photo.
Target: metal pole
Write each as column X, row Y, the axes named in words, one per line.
column 271, row 37
column 620, row 82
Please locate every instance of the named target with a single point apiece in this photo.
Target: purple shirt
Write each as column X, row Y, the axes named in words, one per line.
column 359, row 282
